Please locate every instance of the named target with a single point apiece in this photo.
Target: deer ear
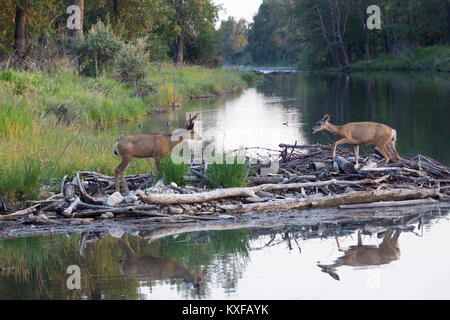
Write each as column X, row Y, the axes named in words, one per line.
column 194, row 118
column 329, row 116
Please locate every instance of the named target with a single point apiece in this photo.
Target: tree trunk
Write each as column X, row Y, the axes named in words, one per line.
column 367, row 44
column 180, row 38
column 179, row 48
column 80, row 4
column 19, row 34
column 448, row 23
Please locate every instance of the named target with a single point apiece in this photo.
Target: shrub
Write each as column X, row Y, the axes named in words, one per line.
column 97, row 49
column 131, row 62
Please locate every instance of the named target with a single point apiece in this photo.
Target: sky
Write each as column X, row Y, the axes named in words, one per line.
column 238, row 8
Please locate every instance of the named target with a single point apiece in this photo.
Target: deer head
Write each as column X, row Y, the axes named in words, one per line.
column 190, row 125
column 322, row 123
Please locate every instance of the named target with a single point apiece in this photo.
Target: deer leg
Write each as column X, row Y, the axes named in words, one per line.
column 357, row 155
column 337, row 242
column 394, row 147
column 385, row 154
column 342, row 141
column 120, row 173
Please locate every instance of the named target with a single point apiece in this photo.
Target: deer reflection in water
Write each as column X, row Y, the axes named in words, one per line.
column 366, row 255
column 151, row 268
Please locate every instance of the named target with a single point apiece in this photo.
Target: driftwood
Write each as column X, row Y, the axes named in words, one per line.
column 247, row 192
column 385, row 204
column 332, row 201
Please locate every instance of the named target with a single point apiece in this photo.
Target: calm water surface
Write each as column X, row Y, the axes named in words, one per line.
column 292, row 262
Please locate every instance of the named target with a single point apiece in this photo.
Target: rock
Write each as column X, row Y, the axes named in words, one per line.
column 173, row 185
column 114, row 200
column 107, row 215
column 116, row 233
column 131, row 198
column 175, row 210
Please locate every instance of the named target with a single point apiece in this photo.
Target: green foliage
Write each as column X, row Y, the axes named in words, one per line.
column 21, row 179
column 228, row 174
column 131, row 63
column 431, row 58
column 172, row 172
column 97, row 49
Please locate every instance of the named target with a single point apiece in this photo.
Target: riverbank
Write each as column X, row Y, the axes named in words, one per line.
column 431, row 59
column 52, row 125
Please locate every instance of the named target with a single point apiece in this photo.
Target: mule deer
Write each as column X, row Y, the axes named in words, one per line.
column 152, row 268
column 358, row 133
column 366, row 255
column 153, row 145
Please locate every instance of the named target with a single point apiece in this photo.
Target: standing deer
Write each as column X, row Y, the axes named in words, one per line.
column 358, row 133
column 153, row 145
column 366, row 255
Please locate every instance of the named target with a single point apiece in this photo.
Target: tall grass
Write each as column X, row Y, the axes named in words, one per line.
column 50, row 125
column 172, row 172
column 228, row 174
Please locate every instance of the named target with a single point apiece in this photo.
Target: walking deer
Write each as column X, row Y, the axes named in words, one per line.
column 360, row 133
column 366, row 255
column 153, row 145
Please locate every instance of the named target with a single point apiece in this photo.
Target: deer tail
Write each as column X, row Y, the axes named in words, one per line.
column 115, row 149
column 394, row 135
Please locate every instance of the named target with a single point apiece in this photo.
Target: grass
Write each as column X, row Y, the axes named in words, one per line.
column 228, row 174
column 172, row 172
column 52, row 125
column 435, row 58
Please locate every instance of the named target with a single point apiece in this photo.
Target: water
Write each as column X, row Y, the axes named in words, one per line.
column 284, row 108
column 267, row 262
column 284, row 262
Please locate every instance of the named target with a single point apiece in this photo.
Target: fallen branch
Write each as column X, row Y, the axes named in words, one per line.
column 385, row 204
column 331, row 201
column 244, row 192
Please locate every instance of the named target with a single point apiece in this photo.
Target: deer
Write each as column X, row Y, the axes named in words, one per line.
column 361, row 133
column 153, row 145
column 366, row 255
column 151, row 268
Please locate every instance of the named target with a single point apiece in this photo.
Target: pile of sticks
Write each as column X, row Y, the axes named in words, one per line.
column 307, row 177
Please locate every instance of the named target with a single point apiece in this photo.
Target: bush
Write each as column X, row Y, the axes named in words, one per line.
column 97, row 49
column 172, row 172
column 131, row 63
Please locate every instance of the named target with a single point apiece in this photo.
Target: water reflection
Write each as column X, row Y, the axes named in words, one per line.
column 366, row 255
column 280, row 262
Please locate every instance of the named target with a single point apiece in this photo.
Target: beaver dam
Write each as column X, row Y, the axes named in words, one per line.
column 305, row 178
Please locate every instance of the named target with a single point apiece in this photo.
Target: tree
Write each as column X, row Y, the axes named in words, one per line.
column 233, row 39
column 190, row 16
column 19, row 33
column 80, row 4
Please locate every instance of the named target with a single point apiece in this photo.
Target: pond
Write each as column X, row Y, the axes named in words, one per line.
column 389, row 258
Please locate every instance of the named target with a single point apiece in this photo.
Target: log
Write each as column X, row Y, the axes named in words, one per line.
column 73, row 206
column 345, row 165
column 384, row 204
column 331, row 201
column 264, row 180
column 84, row 195
column 245, row 192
